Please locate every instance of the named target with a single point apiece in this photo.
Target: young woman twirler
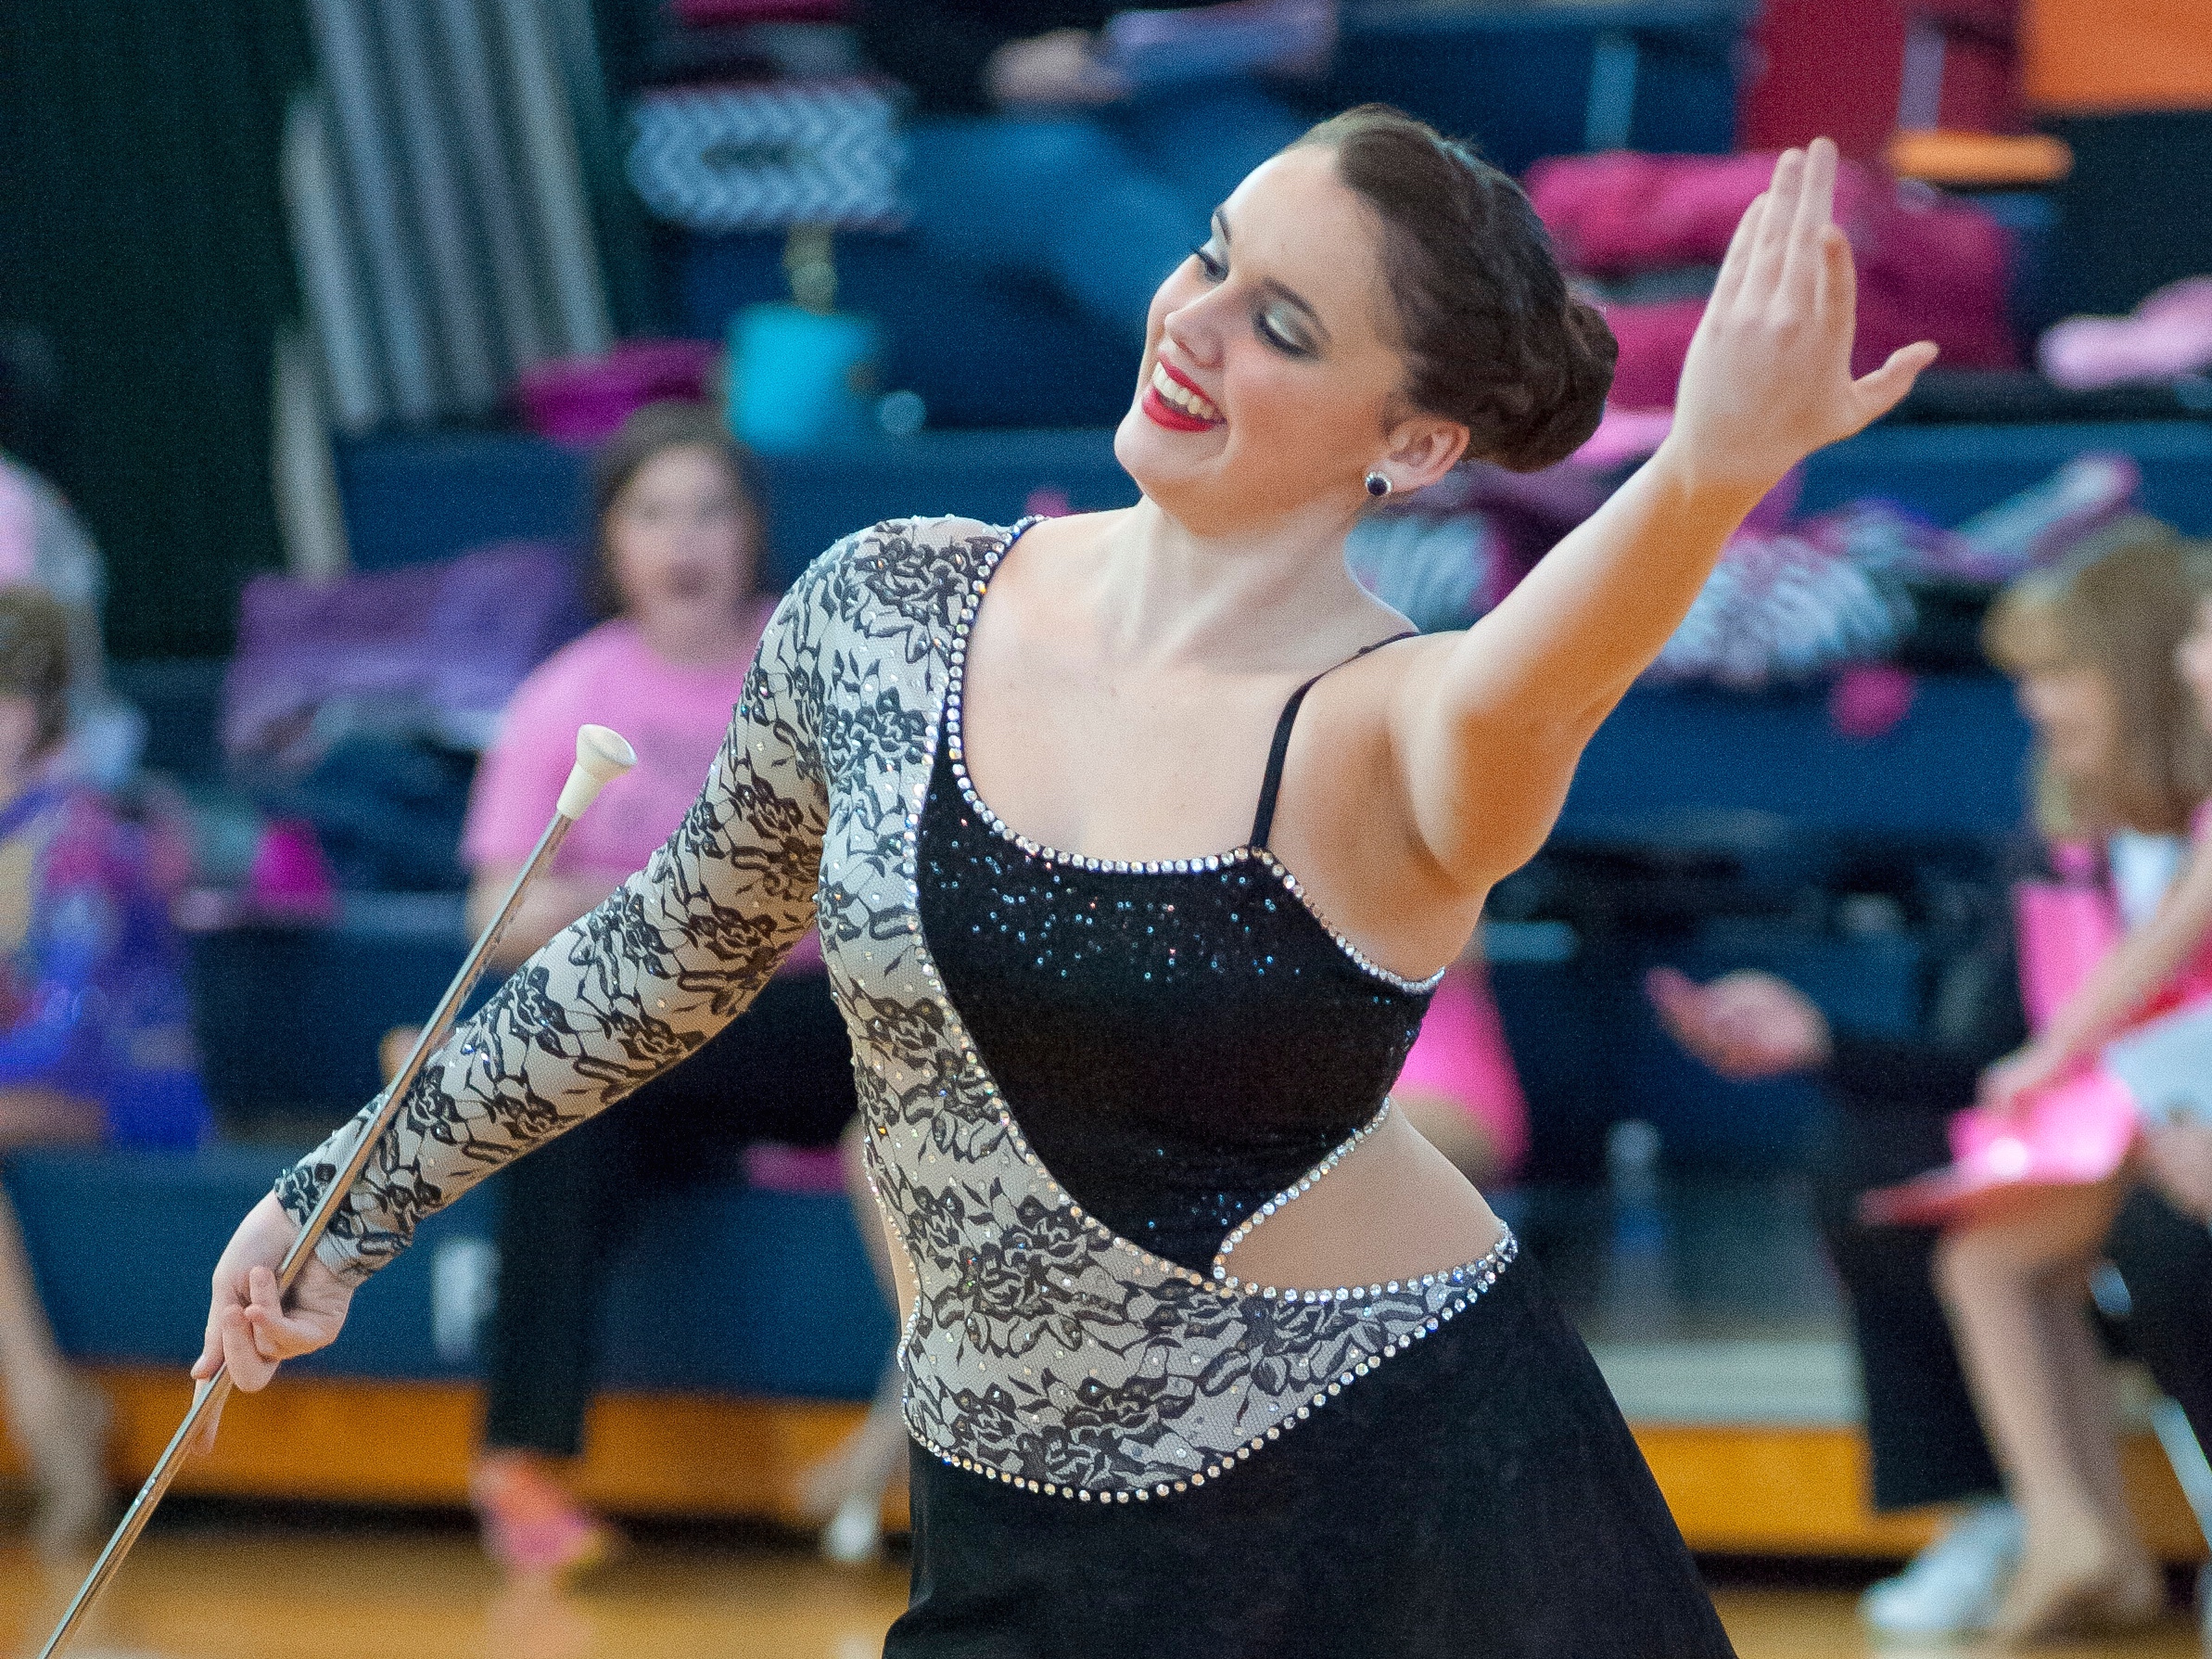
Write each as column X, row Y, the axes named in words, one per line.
column 1136, row 841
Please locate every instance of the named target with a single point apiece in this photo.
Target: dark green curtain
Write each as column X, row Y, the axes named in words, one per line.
column 143, row 271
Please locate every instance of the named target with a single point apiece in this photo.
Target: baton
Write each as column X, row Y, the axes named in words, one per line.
column 600, row 757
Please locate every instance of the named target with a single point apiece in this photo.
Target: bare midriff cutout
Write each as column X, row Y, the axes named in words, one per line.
column 1392, row 1206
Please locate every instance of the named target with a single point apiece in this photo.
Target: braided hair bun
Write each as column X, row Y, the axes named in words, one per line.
column 1492, row 336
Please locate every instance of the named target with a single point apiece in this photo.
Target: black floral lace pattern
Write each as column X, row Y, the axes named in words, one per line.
column 1043, row 1349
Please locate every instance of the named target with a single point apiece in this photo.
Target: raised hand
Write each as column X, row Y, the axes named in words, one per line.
column 1768, row 378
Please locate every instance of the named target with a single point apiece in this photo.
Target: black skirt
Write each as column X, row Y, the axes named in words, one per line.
column 1479, row 1495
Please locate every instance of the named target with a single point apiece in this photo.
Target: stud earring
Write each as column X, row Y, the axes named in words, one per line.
column 1378, row 486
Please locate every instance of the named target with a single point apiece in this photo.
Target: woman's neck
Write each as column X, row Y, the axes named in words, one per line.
column 1166, row 592
column 701, row 639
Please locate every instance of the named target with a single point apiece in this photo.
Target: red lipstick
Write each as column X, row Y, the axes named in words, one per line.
column 1173, row 399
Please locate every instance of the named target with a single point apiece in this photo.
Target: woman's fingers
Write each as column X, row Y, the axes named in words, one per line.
column 257, row 1334
column 204, row 1442
column 1738, row 258
column 1838, row 299
column 1789, row 179
column 1772, row 247
column 1815, row 212
column 210, row 1346
column 277, row 1333
column 1884, row 389
column 242, row 1357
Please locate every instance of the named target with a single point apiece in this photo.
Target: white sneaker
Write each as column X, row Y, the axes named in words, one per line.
column 1953, row 1586
column 855, row 1535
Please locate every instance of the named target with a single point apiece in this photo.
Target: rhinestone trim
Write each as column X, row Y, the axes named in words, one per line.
column 1227, row 1280
column 1471, row 1279
column 1475, row 1278
column 1236, row 855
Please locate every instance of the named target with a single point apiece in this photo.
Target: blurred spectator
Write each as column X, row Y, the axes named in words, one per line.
column 1892, row 1097
column 1029, row 153
column 679, row 550
column 94, row 1028
column 2090, row 646
column 43, row 545
column 2101, row 659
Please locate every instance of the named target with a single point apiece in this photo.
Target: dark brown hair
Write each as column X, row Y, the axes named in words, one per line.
column 34, row 657
column 1492, row 338
column 648, row 433
column 2119, row 609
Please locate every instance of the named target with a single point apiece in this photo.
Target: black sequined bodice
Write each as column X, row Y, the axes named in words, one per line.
column 1177, row 1044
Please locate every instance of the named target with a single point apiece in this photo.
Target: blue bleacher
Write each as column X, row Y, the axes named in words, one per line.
column 1526, row 81
column 724, row 1290
column 429, row 496
column 1950, row 472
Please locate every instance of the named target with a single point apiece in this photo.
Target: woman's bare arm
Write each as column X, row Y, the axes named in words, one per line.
column 1487, row 731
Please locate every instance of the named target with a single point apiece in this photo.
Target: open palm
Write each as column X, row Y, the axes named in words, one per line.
column 1768, row 378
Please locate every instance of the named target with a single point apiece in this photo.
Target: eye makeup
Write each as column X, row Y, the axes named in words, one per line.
column 1284, row 320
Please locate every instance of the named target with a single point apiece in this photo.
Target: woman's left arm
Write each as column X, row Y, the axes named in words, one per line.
column 1767, row 381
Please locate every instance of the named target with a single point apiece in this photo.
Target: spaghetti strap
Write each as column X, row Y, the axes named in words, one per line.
column 1263, row 821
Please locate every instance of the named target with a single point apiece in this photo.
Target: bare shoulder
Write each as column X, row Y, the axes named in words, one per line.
column 1397, row 658
column 1072, row 532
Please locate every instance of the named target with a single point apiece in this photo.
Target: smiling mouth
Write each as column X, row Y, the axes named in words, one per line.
column 1180, row 398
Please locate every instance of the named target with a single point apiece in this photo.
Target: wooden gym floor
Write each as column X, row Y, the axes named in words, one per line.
column 212, row 1591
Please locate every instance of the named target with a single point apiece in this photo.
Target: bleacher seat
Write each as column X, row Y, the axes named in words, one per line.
column 1951, row 472
column 288, row 1019
column 724, row 1290
column 428, row 495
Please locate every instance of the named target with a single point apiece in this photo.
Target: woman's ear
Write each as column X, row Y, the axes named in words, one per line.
column 1422, row 448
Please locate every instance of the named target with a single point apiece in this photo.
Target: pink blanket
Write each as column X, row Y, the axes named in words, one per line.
column 1928, row 268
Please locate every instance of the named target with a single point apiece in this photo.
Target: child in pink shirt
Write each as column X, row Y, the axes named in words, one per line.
column 678, row 545
column 675, row 715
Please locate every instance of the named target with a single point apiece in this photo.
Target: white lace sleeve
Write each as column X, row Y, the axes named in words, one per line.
column 663, row 964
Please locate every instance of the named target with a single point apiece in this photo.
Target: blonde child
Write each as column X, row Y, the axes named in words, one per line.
column 2097, row 652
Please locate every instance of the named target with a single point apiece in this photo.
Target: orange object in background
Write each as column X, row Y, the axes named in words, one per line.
column 2106, row 57
column 1980, row 160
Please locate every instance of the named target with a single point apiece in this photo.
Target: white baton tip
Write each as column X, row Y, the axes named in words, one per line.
column 602, row 756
